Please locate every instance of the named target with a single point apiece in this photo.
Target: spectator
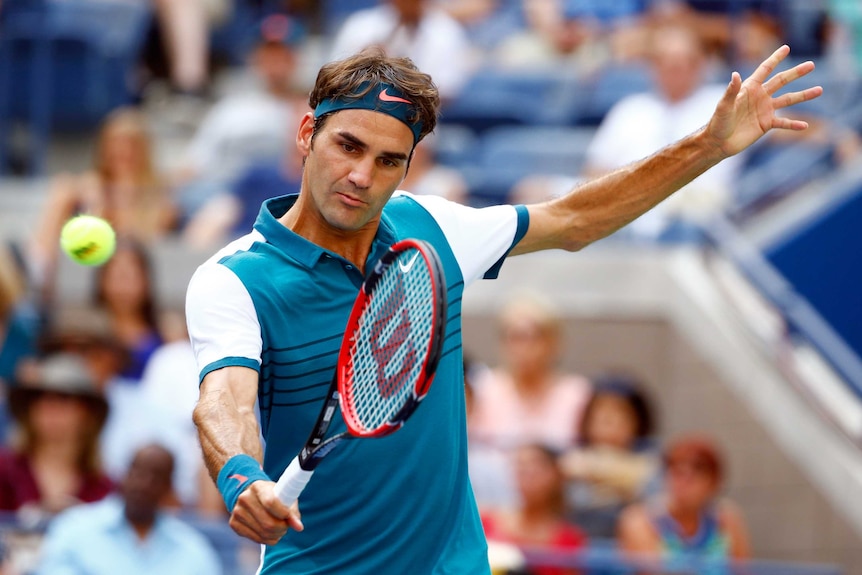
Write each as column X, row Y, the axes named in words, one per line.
column 539, row 521
column 170, row 385
column 131, row 533
column 491, row 475
column 689, row 518
column 529, row 399
column 123, row 187
column 252, row 126
column 19, row 321
column 613, row 465
column 55, row 462
column 735, row 31
column 586, row 34
column 680, row 104
column 135, row 417
column 416, row 29
column 184, row 31
column 845, row 35
column 124, row 289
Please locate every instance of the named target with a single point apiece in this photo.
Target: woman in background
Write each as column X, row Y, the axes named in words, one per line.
column 55, row 461
column 614, row 463
column 538, row 521
column 689, row 519
column 529, row 398
column 124, row 289
column 123, row 187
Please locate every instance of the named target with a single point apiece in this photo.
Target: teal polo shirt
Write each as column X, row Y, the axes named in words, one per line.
column 277, row 303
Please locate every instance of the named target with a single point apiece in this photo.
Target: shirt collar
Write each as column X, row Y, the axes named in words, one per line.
column 300, row 249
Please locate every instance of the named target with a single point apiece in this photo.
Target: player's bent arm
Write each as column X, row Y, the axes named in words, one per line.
column 225, row 416
column 227, row 426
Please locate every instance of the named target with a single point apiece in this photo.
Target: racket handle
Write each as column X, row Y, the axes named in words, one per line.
column 291, row 483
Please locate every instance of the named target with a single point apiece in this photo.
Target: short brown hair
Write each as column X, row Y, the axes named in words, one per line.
column 699, row 450
column 358, row 74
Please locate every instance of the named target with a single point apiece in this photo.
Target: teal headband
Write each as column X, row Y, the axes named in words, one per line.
column 384, row 98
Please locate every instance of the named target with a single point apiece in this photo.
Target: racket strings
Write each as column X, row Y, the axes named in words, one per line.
column 391, row 342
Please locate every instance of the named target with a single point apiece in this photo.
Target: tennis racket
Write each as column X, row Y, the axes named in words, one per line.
column 388, row 356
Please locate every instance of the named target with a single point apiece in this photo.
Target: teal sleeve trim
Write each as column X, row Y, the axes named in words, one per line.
column 520, row 232
column 229, row 362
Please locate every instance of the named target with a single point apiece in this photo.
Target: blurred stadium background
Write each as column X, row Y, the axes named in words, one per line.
column 746, row 324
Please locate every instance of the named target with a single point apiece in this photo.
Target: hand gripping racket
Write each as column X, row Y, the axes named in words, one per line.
column 388, row 356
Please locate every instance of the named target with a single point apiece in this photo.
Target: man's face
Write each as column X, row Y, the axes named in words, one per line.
column 353, row 166
column 147, row 482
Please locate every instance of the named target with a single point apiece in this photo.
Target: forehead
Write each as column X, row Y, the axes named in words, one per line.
column 376, row 129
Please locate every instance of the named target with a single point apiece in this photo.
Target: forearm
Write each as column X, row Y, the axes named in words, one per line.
column 599, row 207
column 225, row 429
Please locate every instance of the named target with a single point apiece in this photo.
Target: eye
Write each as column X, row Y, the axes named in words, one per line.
column 348, row 147
column 389, row 163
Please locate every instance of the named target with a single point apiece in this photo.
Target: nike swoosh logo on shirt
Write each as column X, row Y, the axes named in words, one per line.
column 389, row 98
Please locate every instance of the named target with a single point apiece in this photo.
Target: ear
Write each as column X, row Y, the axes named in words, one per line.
column 304, row 134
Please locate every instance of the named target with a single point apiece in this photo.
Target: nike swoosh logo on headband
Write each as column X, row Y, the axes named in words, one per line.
column 388, row 98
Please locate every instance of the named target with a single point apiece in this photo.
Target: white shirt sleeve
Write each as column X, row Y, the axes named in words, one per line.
column 479, row 237
column 223, row 325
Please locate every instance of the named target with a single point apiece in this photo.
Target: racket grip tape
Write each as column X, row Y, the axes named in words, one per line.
column 291, row 483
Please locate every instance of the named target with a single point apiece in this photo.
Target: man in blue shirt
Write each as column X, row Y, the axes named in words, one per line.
column 267, row 312
column 128, row 534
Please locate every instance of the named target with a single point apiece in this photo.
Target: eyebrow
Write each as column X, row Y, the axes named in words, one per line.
column 360, row 144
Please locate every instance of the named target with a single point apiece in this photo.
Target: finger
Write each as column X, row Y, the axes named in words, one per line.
column 782, row 79
column 789, row 124
column 266, row 534
column 792, row 98
column 768, row 66
column 243, row 530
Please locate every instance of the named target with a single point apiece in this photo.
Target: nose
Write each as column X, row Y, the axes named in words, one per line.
column 362, row 173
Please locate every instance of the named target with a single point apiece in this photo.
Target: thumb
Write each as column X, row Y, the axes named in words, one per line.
column 732, row 90
column 294, row 518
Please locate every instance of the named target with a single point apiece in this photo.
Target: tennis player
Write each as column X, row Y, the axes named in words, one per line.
column 266, row 314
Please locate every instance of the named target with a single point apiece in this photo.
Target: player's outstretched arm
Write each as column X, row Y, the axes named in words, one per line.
column 598, row 208
column 230, row 439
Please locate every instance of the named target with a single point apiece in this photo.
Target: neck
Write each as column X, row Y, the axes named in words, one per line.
column 142, row 526
column 688, row 519
column 58, row 452
column 352, row 245
column 530, row 382
column 536, row 513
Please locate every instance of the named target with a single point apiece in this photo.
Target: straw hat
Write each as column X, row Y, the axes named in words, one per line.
column 63, row 374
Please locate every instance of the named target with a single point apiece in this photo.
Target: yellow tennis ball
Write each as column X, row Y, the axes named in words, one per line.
column 88, row 240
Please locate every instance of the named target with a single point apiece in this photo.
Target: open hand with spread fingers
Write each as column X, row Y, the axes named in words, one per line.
column 747, row 110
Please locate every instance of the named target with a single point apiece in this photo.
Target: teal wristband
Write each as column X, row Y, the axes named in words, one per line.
column 239, row 472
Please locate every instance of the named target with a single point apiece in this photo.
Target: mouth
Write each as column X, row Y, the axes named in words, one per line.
column 349, row 200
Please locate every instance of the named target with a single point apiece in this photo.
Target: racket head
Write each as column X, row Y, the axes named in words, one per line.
column 393, row 340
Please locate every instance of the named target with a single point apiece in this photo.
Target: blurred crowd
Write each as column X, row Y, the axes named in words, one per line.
column 98, row 398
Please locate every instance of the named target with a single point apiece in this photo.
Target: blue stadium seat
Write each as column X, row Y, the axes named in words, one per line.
column 335, row 12
column 64, row 64
column 455, row 145
column 608, row 86
column 508, row 154
column 494, row 98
